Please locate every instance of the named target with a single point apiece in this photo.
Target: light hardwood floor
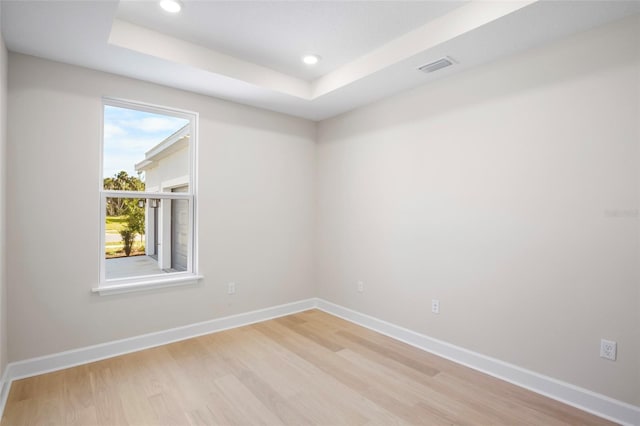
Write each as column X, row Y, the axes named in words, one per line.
column 303, row 369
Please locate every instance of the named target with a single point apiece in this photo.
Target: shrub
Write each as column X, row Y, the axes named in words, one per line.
column 128, row 237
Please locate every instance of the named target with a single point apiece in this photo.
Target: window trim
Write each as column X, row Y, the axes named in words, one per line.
column 176, row 279
column 146, row 282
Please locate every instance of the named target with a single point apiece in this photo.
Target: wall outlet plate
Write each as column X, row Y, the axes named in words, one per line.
column 608, row 349
column 435, row 306
column 360, row 286
column 231, row 288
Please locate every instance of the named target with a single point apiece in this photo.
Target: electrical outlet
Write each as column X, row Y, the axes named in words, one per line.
column 608, row 349
column 231, row 288
column 360, row 286
column 435, row 306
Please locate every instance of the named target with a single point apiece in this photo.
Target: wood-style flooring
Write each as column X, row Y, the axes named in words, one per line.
column 303, row 369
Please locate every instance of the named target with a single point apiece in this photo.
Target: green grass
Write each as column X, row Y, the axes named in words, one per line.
column 115, row 224
column 114, row 244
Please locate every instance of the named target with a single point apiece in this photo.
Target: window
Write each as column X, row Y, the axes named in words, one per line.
column 147, row 196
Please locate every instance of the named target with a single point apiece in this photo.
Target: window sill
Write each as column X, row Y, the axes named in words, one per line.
column 149, row 284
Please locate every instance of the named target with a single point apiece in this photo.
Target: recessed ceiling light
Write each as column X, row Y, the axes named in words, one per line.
column 171, row 6
column 310, row 59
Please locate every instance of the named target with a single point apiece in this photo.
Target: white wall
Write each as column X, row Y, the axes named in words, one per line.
column 510, row 192
column 169, row 172
column 3, row 150
column 255, row 205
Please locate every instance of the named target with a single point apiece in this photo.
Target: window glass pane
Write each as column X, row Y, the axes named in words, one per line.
column 144, row 151
column 146, row 236
column 125, row 228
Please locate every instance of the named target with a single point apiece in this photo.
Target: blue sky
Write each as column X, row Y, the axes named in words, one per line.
column 129, row 133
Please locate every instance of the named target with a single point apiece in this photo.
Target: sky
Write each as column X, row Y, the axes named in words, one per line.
column 129, row 133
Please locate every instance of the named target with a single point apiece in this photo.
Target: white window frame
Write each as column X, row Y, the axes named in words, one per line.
column 190, row 276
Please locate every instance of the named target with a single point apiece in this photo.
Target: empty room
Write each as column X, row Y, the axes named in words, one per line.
column 319, row 212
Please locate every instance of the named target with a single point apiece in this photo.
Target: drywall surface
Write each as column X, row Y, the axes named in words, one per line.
column 255, row 210
column 510, row 193
column 3, row 228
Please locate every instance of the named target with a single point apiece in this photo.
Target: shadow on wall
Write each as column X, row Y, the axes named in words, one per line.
column 543, row 66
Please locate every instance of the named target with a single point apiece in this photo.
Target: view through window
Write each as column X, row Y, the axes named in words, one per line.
column 147, row 193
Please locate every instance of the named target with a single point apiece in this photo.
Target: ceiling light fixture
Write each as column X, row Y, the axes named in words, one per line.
column 171, row 6
column 311, row 59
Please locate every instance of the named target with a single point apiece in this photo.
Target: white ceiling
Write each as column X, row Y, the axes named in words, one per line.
column 249, row 52
column 275, row 34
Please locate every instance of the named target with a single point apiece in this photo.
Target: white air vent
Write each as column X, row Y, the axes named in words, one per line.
column 437, row 65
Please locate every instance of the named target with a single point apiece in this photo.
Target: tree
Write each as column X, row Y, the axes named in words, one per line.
column 128, row 237
column 126, row 207
column 135, row 216
column 134, row 226
column 121, row 181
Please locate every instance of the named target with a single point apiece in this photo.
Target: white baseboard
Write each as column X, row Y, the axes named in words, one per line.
column 5, row 385
column 567, row 393
column 48, row 363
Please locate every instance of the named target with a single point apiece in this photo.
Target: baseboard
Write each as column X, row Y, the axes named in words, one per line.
column 48, row 363
column 5, row 385
column 567, row 393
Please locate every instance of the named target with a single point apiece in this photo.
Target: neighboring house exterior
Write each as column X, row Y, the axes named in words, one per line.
column 166, row 169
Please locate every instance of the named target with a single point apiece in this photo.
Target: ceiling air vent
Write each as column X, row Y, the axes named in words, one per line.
column 437, row 65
